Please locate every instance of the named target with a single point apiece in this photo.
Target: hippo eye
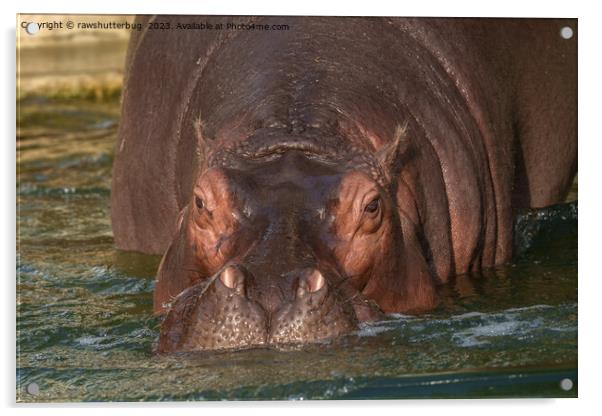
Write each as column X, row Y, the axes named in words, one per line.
column 373, row 206
column 199, row 202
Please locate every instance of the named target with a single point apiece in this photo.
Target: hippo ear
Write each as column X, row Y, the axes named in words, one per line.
column 391, row 155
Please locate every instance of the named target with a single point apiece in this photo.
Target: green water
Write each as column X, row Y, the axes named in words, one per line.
column 85, row 331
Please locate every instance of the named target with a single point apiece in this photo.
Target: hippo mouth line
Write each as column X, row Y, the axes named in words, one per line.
column 222, row 313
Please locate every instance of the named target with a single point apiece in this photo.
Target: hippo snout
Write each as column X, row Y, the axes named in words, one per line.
column 234, row 309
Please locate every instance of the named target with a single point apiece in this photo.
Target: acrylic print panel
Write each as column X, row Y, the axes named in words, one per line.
column 260, row 208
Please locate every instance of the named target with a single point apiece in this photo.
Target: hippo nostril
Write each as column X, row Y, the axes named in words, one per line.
column 311, row 281
column 233, row 278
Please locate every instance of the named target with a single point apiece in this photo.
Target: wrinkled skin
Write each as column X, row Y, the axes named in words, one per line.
column 300, row 182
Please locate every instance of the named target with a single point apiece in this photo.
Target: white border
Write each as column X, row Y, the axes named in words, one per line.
column 590, row 97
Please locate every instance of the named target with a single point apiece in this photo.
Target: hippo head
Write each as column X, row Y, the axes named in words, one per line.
column 285, row 240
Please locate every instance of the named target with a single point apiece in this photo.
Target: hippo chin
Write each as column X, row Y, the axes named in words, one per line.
column 300, row 182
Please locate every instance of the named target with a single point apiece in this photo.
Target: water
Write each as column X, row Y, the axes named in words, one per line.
column 85, row 329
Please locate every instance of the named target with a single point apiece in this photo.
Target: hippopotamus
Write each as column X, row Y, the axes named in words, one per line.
column 303, row 175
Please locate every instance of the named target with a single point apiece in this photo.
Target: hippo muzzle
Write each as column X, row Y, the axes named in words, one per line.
column 230, row 310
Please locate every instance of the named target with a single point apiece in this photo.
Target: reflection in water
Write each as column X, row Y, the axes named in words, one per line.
column 86, row 330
